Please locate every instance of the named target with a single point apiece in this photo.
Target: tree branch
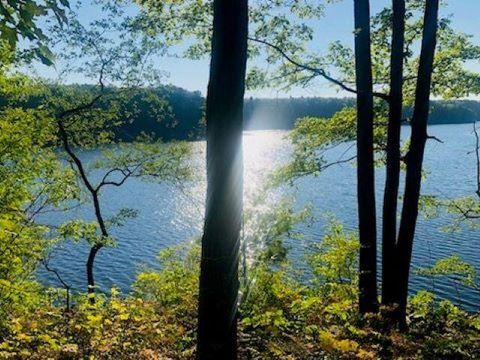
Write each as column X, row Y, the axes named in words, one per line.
column 316, row 71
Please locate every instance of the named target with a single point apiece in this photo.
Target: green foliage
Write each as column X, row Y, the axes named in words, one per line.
column 119, row 60
column 451, row 79
column 32, row 181
column 151, row 160
column 278, row 21
column 282, row 316
column 110, row 48
column 334, row 262
column 311, row 139
column 37, row 118
column 77, row 230
column 464, row 211
column 110, row 52
column 267, row 224
column 442, row 330
column 18, row 19
column 452, row 266
column 116, row 327
column 279, row 318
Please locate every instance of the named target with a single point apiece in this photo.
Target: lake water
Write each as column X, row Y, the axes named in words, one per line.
column 168, row 217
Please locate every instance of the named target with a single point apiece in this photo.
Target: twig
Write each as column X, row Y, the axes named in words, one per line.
column 60, row 279
column 434, row 138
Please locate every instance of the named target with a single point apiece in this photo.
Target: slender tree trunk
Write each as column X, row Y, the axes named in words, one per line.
column 96, row 206
column 217, row 313
column 90, row 278
column 390, row 197
column 365, row 160
column 95, row 248
column 415, row 154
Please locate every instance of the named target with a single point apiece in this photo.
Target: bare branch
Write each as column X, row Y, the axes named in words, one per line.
column 65, row 285
column 434, row 138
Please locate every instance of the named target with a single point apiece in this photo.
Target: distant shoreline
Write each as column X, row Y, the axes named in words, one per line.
column 184, row 118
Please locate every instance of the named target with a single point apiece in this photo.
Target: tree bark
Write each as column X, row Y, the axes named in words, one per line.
column 390, row 197
column 95, row 248
column 90, row 278
column 217, row 313
column 365, row 160
column 415, row 154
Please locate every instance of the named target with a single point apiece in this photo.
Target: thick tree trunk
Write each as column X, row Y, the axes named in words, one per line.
column 365, row 160
column 217, row 318
column 415, row 154
column 390, row 197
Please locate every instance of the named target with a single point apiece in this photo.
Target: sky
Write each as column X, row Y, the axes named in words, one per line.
column 337, row 24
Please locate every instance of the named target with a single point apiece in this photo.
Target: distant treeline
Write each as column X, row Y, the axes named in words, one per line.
column 282, row 113
column 264, row 114
column 183, row 117
column 182, row 120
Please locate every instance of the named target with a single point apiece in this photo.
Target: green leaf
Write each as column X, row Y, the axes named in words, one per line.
column 45, row 55
column 10, row 35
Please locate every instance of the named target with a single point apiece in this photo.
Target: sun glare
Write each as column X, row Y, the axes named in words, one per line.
column 260, row 154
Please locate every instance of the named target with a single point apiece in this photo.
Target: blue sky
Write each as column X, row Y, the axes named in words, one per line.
column 337, row 24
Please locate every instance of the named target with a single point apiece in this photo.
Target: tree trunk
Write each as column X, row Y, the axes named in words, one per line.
column 96, row 206
column 365, row 160
column 94, row 249
column 217, row 313
column 390, row 197
column 90, row 278
column 415, row 154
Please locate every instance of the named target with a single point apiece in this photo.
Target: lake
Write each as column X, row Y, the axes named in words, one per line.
column 168, row 217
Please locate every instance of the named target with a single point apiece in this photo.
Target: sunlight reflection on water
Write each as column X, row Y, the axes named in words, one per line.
column 262, row 154
column 169, row 217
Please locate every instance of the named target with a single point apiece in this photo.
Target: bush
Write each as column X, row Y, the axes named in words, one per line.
column 279, row 318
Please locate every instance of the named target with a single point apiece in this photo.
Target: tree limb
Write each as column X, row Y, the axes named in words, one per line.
column 316, row 71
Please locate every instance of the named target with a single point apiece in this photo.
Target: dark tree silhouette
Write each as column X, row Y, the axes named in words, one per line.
column 93, row 191
column 414, row 158
column 390, row 198
column 217, row 313
column 365, row 160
